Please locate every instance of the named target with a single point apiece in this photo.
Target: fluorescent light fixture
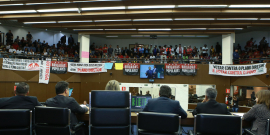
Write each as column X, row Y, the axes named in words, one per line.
column 162, row 35
column 146, row 35
column 18, row 11
column 136, row 35
column 11, row 4
column 120, row 29
column 37, row 3
column 111, row 36
column 237, row 18
column 161, row 29
column 150, row 7
column 225, row 28
column 58, row 10
column 39, row 22
column 103, row 8
column 249, row 6
column 169, row 19
column 120, row 20
column 74, row 21
column 194, row 19
column 265, row 19
column 202, row 6
column 175, row 35
column 86, row 29
column 190, row 29
column 188, row 35
column 202, row 36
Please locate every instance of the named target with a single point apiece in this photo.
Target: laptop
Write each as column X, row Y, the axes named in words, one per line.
column 139, row 102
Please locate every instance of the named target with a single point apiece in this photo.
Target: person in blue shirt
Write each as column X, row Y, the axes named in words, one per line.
column 141, row 50
column 149, row 73
column 236, row 57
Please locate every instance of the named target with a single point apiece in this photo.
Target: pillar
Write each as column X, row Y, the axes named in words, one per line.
column 84, row 48
column 227, row 48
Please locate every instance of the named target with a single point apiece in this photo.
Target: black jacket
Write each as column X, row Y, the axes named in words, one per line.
column 67, row 102
column 211, row 107
column 165, row 105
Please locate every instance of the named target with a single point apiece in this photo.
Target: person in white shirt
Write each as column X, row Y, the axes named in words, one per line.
column 152, row 56
column 179, row 51
column 44, row 52
column 7, row 46
column 19, row 51
column 172, row 51
column 11, row 50
column 205, row 50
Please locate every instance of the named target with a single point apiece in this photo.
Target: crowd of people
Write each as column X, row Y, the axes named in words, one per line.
column 28, row 49
column 252, row 52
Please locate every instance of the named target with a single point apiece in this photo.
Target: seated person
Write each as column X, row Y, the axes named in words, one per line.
column 63, row 100
column 112, row 85
column 259, row 113
column 210, row 105
column 164, row 104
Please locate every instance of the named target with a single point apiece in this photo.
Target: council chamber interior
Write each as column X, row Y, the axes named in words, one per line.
column 117, row 55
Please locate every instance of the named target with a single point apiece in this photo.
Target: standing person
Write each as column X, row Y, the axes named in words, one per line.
column 235, row 104
column 105, row 49
column 218, row 48
column 63, row 39
column 164, row 104
column 236, row 57
column 29, row 37
column 155, row 51
column 175, row 52
column 259, row 113
column 146, row 51
column 110, row 51
column 179, row 51
column 205, row 50
column 141, row 50
column 135, row 50
column 63, row 100
column 9, row 37
column 151, row 49
column 70, row 40
column 117, row 50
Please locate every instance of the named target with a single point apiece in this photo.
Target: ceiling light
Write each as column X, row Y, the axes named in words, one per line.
column 11, row 4
column 202, row 6
column 46, row 29
column 237, row 18
column 120, row 29
column 113, row 20
column 60, row 31
column 155, row 29
column 152, row 19
column 111, row 36
column 103, row 8
column 39, row 22
column 249, row 6
column 85, row 29
column 136, row 35
column 202, row 36
column 58, row 10
column 188, row 35
column 190, row 29
column 265, row 19
column 18, row 11
column 37, row 3
column 225, row 28
column 194, row 19
column 175, row 35
column 162, row 35
column 73, row 21
column 146, row 35
column 147, row 7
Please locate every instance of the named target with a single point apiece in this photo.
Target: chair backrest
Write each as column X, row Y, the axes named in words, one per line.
column 15, row 121
column 268, row 127
column 218, row 124
column 110, row 112
column 52, row 120
column 158, row 122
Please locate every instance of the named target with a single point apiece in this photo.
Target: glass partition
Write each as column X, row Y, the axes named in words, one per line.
column 197, row 92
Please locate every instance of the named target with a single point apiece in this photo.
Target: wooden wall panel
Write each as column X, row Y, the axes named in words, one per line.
column 50, row 88
column 76, row 90
column 3, row 90
column 38, row 90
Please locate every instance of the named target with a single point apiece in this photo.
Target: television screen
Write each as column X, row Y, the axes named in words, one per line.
column 152, row 71
column 139, row 102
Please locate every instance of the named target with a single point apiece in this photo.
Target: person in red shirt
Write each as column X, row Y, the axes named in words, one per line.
column 249, row 44
column 256, row 53
column 120, row 56
column 105, row 49
column 189, row 50
column 126, row 56
column 15, row 45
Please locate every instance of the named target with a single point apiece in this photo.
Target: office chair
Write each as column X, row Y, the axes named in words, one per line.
column 249, row 132
column 109, row 113
column 52, row 121
column 217, row 124
column 150, row 123
column 15, row 122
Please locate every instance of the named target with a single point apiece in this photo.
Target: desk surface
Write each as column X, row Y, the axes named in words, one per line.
column 189, row 121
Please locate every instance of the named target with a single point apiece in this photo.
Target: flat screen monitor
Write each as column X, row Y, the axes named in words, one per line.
column 152, row 71
column 139, row 102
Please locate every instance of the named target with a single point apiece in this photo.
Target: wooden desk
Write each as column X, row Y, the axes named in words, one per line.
column 188, row 122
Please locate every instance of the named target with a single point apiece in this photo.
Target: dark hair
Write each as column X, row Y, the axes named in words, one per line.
column 60, row 87
column 165, row 91
column 211, row 93
column 22, row 88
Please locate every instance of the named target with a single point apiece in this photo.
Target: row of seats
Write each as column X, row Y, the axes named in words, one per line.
column 110, row 115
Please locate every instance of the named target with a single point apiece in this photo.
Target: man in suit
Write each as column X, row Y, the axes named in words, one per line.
column 147, row 93
column 210, row 105
column 164, row 104
column 63, row 100
column 149, row 73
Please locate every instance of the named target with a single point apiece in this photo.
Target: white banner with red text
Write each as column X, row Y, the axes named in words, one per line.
column 86, row 67
column 44, row 72
column 237, row 70
column 21, row 64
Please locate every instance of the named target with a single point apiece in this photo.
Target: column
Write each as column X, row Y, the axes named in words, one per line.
column 227, row 48
column 84, row 48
